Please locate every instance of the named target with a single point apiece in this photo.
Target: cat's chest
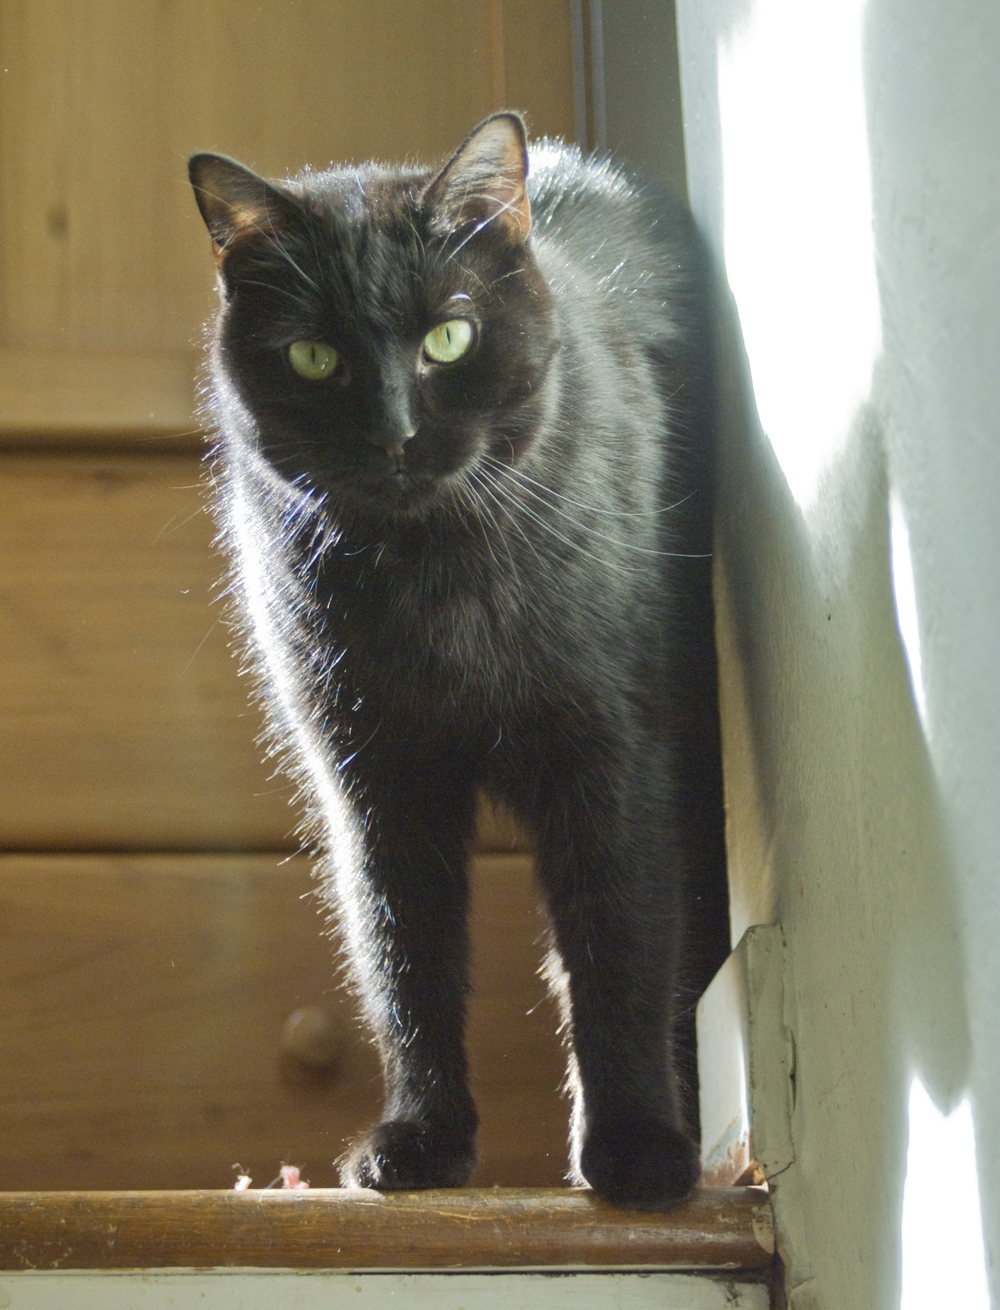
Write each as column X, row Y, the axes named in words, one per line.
column 438, row 638
column 453, row 631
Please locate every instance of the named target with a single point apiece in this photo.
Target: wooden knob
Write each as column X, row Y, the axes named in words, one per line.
column 315, row 1035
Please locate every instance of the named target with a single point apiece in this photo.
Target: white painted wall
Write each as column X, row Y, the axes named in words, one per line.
column 843, row 160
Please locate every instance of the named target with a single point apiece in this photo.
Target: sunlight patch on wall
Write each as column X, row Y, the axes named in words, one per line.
column 942, row 1231
column 799, row 246
column 904, row 593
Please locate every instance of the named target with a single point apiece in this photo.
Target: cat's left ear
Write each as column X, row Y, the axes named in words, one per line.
column 484, row 181
column 235, row 203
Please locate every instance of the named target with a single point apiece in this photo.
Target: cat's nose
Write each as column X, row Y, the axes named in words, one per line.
column 393, row 425
column 391, row 439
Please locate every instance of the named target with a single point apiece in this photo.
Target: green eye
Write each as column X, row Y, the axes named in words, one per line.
column 448, row 341
column 314, row 360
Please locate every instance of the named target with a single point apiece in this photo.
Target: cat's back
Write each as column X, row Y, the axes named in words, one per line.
column 602, row 233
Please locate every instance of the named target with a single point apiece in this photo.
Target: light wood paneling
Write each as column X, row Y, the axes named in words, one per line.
column 123, row 721
column 102, row 101
column 538, row 65
column 141, row 1006
column 85, row 397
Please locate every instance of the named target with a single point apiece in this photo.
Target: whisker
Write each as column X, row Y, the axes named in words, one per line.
column 490, row 489
column 588, row 529
column 520, row 474
column 480, row 488
column 577, row 547
column 294, row 295
column 172, row 525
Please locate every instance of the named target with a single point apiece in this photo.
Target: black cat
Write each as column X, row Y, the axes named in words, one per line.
column 465, row 476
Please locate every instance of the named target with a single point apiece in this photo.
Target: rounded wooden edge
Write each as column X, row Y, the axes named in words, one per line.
column 716, row 1229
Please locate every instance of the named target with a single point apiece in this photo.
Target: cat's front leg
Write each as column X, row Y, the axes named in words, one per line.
column 403, row 908
column 613, row 893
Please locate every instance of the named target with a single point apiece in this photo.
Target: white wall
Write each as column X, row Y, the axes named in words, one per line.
column 844, row 162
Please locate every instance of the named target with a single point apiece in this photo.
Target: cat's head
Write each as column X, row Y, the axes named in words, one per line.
column 387, row 329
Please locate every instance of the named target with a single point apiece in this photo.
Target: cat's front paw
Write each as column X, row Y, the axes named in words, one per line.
column 402, row 1155
column 639, row 1163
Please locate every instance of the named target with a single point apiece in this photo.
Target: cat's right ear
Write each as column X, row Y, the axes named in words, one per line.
column 235, row 203
column 483, row 184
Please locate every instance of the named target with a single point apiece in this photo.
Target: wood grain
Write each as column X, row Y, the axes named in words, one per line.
column 103, row 102
column 89, row 397
column 123, row 721
column 142, row 1000
column 538, row 65
column 101, row 247
column 722, row 1229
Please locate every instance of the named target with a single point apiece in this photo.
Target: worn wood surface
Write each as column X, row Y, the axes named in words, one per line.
column 142, row 1002
column 725, row 1229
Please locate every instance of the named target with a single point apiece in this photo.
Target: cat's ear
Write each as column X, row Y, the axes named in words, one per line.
column 235, row 203
column 484, row 181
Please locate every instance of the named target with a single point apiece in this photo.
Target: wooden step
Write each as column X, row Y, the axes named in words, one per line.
column 721, row 1229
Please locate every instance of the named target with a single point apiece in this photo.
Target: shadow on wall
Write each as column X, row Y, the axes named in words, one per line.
column 835, row 823
column 933, row 121
column 835, row 829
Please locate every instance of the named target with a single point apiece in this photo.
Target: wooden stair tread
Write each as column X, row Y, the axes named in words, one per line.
column 331, row 1228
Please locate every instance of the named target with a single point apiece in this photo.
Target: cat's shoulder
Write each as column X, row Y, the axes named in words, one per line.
column 561, row 176
column 575, row 195
column 612, row 227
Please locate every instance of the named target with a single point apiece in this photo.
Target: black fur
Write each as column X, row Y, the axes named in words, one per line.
column 487, row 573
